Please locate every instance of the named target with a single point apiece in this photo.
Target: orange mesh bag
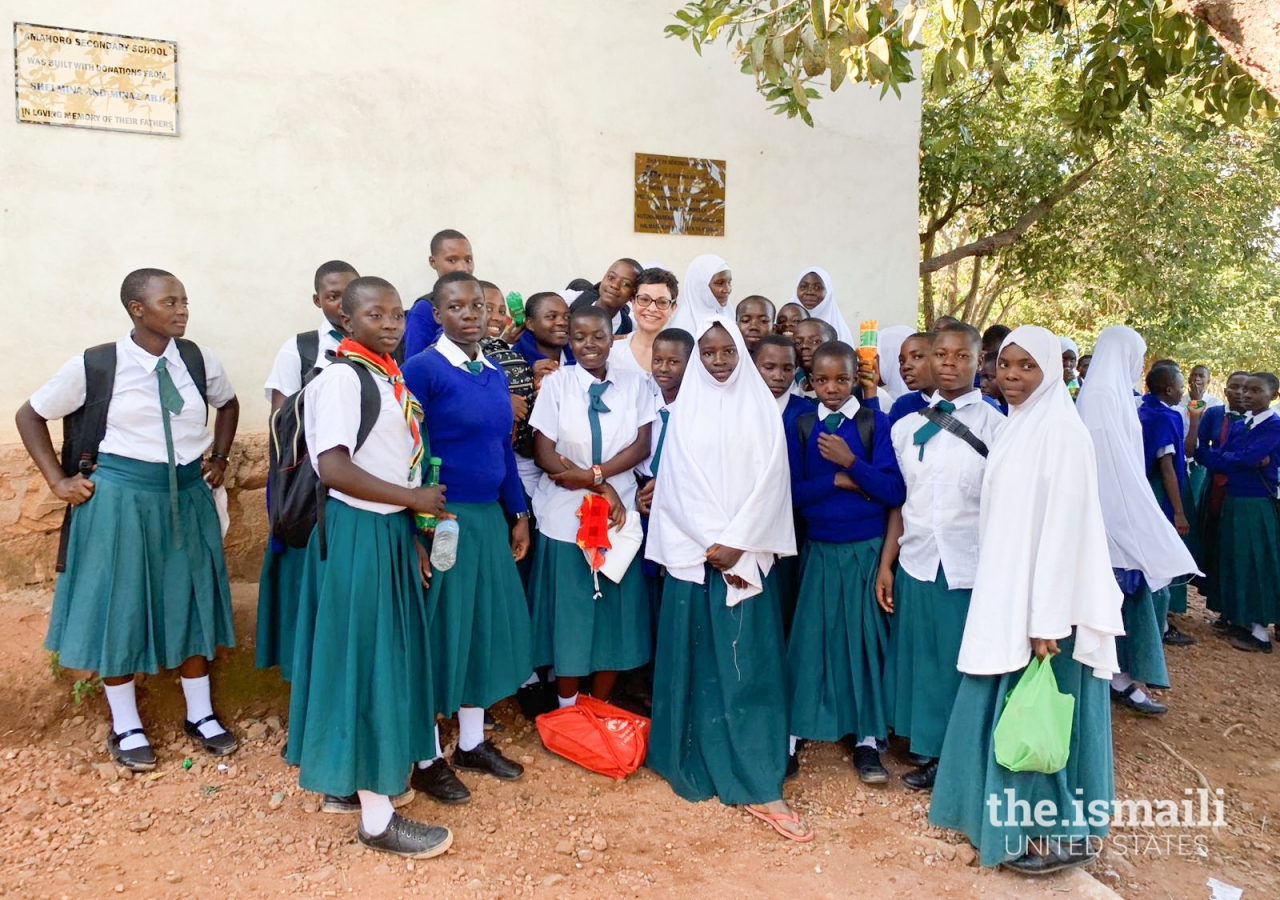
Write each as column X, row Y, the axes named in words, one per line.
column 596, row 736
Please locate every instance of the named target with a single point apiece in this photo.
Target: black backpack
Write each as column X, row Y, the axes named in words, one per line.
column 864, row 419
column 295, row 494
column 308, row 343
column 84, row 429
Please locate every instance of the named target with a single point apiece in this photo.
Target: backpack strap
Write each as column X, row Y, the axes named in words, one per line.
column 193, row 359
column 865, row 420
column 805, row 423
column 308, row 343
column 951, row 424
column 84, row 429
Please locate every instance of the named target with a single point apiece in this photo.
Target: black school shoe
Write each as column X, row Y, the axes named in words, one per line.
column 439, row 782
column 922, row 779
column 536, row 699
column 219, row 745
column 1148, row 707
column 485, row 757
column 1175, row 638
column 867, row 761
column 1057, row 857
column 342, row 806
column 1244, row 640
column 139, row 759
column 405, row 837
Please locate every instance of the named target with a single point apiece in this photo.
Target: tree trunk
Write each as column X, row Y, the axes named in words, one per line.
column 1248, row 30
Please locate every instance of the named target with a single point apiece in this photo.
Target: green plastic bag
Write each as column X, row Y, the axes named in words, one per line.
column 1034, row 730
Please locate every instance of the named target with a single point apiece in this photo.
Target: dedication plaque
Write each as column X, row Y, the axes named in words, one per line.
column 89, row 79
column 679, row 195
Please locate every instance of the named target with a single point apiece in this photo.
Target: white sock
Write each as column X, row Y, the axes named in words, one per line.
column 794, row 740
column 123, row 700
column 567, row 701
column 1165, row 629
column 199, row 705
column 1121, row 682
column 375, row 812
column 1260, row 632
column 426, row 763
column 868, row 742
column 470, row 727
column 1138, row 695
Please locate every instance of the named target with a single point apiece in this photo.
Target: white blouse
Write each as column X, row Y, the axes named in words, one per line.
column 286, row 373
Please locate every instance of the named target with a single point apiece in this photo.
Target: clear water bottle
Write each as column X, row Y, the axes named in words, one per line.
column 444, row 546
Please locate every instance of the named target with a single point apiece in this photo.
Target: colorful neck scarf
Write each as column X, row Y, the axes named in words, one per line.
column 384, row 366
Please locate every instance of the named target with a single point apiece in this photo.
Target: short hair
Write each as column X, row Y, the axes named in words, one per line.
column 449, row 278
column 838, row 350
column 1239, row 372
column 333, row 267
column 440, row 237
column 659, row 276
column 828, row 330
column 995, row 335
column 943, row 321
column 136, row 282
column 1084, row 356
column 800, row 306
column 591, row 311
column 1273, row 383
column 531, row 305
column 1161, row 377
column 774, row 340
column 737, row 310
column 964, row 328
column 1167, row 362
column 674, row 335
column 489, row 286
column 632, row 263
column 1200, row 366
column 351, row 296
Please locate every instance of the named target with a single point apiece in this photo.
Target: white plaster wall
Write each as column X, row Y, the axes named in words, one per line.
column 329, row 129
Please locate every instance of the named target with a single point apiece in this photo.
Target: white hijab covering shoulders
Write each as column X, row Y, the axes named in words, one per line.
column 1138, row 534
column 724, row 477
column 696, row 301
column 1043, row 565
column 1067, row 344
column 891, row 341
column 827, row 310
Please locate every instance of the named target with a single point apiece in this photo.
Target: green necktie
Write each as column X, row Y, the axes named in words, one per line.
column 662, row 436
column 832, row 422
column 336, row 335
column 171, row 404
column 929, row 429
column 594, row 407
column 474, row 366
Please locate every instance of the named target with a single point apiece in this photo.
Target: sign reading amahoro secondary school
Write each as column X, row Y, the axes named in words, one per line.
column 87, row 79
column 679, row 195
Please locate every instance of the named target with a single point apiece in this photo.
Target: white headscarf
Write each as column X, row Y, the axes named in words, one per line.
column 724, row 477
column 827, row 310
column 891, row 341
column 1043, row 565
column 1138, row 534
column 696, row 301
column 1067, row 344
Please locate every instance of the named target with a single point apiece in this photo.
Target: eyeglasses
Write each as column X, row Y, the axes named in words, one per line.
column 660, row 302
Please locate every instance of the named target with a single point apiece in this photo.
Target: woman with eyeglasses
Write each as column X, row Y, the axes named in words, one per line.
column 652, row 307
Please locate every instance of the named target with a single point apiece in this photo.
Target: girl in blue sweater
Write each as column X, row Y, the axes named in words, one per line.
column 835, row 654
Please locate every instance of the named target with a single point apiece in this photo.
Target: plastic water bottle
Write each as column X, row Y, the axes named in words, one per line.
column 444, row 546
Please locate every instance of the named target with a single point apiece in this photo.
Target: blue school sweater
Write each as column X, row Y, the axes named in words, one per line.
column 527, row 347
column 906, row 405
column 420, row 328
column 1241, row 459
column 796, row 407
column 468, row 422
column 833, row 514
column 1211, row 426
column 1162, row 426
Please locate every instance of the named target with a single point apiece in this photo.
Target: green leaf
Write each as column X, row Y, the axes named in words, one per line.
column 716, row 24
column 878, row 49
column 972, row 16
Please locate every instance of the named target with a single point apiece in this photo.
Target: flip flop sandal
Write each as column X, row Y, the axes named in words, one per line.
column 772, row 820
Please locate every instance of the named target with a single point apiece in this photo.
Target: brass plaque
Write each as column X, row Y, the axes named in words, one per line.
column 89, row 79
column 679, row 195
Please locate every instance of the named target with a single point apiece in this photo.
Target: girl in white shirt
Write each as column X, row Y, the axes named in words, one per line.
column 591, row 427
column 145, row 584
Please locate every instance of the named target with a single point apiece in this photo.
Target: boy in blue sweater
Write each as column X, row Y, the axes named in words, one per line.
column 478, row 619
column 836, row 651
column 1249, row 528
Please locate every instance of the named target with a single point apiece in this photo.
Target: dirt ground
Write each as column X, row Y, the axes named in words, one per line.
column 73, row 826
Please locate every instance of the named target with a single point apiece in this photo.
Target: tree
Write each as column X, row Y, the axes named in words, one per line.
column 1249, row 30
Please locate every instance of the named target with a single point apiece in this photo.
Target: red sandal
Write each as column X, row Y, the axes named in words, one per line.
column 772, row 820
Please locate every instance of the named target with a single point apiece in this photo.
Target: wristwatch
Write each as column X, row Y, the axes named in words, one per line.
column 599, row 475
column 521, row 515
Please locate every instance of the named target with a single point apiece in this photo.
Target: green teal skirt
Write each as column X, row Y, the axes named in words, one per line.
column 921, row 678
column 278, row 586
column 480, row 637
column 362, row 706
column 1194, row 491
column 719, row 726
column 576, row 633
column 836, row 652
column 1140, row 650
column 1249, row 560
column 788, row 569
column 970, row 780
column 133, row 597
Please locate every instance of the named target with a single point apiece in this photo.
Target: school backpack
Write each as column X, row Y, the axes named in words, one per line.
column 84, row 429
column 308, row 344
column 295, row 493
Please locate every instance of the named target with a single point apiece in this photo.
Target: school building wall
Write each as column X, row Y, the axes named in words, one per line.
column 325, row 130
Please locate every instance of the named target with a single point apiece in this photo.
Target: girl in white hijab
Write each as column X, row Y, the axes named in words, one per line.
column 1146, row 551
column 1044, row 585
column 891, row 340
column 815, row 293
column 704, row 292
column 721, row 515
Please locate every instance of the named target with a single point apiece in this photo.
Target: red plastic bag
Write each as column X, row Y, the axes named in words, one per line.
column 597, row 736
